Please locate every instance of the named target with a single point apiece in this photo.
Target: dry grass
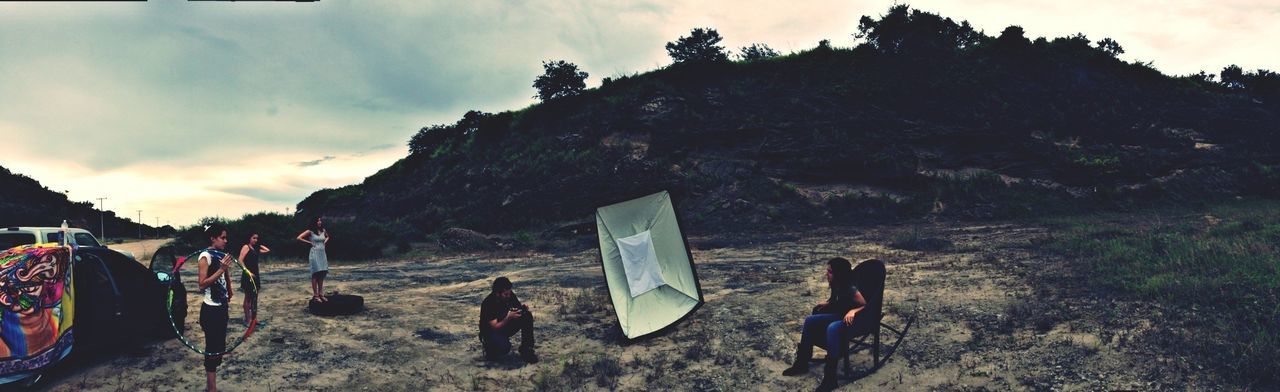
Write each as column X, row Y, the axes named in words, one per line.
column 984, row 322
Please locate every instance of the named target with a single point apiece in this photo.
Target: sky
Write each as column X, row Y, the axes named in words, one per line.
column 191, row 109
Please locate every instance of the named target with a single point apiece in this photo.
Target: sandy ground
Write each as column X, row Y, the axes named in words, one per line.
column 141, row 250
column 990, row 314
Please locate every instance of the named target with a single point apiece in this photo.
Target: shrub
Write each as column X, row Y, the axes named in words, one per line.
column 757, row 52
column 559, row 79
column 699, row 46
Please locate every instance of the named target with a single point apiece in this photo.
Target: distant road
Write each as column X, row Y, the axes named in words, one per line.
column 142, row 250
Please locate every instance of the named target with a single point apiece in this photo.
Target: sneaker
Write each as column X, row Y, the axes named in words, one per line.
column 528, row 355
column 796, row 370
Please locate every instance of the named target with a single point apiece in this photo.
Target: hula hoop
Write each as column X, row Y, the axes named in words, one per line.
column 169, row 302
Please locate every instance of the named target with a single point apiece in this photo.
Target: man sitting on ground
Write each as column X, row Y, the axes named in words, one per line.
column 501, row 316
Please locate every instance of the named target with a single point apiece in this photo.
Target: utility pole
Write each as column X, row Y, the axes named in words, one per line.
column 139, row 224
column 102, row 222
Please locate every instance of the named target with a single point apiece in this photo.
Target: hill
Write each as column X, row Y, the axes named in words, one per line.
column 926, row 117
column 25, row 202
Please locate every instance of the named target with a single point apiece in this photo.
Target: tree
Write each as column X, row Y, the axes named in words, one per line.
column 1012, row 38
column 559, row 79
column 1013, row 33
column 1232, row 77
column 428, row 138
column 885, row 35
column 1110, row 47
column 699, row 46
column 1264, row 83
column 1203, row 78
column 904, row 30
column 1072, row 43
column 757, row 52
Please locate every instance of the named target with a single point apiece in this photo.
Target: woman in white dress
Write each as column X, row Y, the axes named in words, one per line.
column 317, row 236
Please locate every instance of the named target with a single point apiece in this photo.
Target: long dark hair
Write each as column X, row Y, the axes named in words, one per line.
column 315, row 229
column 249, row 238
column 841, row 272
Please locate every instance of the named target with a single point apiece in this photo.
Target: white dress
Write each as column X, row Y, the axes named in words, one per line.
column 319, row 262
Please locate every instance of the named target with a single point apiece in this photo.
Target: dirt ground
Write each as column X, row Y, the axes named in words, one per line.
column 990, row 313
column 142, row 250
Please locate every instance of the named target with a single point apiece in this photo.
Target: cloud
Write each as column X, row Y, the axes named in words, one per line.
column 315, row 162
column 376, row 149
column 274, row 196
column 196, row 109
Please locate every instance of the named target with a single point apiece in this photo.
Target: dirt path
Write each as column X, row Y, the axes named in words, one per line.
column 990, row 314
column 141, row 250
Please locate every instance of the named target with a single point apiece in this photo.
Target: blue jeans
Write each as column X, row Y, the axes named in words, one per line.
column 823, row 330
column 498, row 342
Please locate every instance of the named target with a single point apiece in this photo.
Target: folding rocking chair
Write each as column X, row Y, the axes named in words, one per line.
column 869, row 276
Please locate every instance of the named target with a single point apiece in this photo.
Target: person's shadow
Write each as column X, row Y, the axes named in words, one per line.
column 510, row 361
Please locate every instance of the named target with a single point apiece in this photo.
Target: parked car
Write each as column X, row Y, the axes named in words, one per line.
column 14, row 236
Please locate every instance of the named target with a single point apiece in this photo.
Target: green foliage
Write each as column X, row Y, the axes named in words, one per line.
column 429, row 139
column 1012, row 36
column 1232, row 77
column 571, row 372
column 26, row 202
column 1203, row 79
column 441, row 140
column 1110, row 47
column 559, row 79
column 1261, row 83
column 351, row 240
column 903, row 30
column 1076, row 43
column 757, row 52
column 1097, row 164
column 1223, row 262
column 701, row 46
column 922, row 92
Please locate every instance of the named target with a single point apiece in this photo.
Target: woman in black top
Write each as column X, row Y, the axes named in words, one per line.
column 830, row 323
column 251, row 285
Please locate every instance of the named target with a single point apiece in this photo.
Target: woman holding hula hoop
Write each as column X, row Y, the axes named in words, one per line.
column 250, row 283
column 217, row 295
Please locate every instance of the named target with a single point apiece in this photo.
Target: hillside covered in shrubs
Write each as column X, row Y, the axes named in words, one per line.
column 923, row 117
column 25, row 202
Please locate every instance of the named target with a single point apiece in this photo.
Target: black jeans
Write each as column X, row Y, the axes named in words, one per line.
column 213, row 320
column 498, row 342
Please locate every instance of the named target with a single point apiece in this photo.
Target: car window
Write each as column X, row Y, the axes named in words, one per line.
column 9, row 240
column 85, row 239
column 53, row 237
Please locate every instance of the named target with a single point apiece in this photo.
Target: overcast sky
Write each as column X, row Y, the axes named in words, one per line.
column 191, row 109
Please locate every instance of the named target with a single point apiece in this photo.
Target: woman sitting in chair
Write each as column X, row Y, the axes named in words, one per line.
column 829, row 325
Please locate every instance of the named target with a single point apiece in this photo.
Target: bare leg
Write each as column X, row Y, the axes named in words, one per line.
column 211, row 381
column 248, row 312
